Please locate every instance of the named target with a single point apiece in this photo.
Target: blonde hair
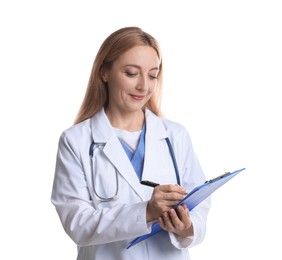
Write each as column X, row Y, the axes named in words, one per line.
column 96, row 95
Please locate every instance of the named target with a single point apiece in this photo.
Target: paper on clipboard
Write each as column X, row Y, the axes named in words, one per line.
column 195, row 197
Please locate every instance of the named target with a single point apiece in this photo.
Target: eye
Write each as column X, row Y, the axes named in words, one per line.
column 131, row 74
column 153, row 77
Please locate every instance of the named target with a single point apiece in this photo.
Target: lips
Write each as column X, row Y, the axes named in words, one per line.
column 137, row 97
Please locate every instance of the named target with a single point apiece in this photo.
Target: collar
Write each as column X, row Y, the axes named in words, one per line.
column 102, row 130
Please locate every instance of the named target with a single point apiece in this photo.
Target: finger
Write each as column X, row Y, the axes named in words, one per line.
column 161, row 223
column 182, row 211
column 171, row 188
column 175, row 220
column 163, row 194
column 184, row 215
column 168, row 226
column 169, row 199
column 172, row 196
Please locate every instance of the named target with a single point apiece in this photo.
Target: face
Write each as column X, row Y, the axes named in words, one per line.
column 132, row 79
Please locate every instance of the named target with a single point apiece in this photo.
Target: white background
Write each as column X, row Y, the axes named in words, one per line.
column 222, row 67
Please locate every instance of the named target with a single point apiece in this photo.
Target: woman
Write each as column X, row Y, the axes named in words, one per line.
column 119, row 139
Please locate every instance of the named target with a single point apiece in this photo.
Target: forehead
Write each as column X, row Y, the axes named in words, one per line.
column 143, row 56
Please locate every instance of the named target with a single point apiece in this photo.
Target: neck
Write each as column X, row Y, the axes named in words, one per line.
column 127, row 121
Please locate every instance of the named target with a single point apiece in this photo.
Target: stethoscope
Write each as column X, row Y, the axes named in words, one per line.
column 94, row 145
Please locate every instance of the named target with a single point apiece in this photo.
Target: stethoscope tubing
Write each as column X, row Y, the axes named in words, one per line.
column 115, row 196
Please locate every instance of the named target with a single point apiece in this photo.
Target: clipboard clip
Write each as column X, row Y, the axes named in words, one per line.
column 217, row 178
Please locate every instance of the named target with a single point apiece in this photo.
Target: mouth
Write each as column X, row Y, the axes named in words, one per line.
column 138, row 97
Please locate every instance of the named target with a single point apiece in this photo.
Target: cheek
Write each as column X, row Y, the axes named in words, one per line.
column 153, row 87
column 115, row 87
column 123, row 85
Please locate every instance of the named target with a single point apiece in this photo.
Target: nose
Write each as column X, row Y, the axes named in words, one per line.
column 143, row 83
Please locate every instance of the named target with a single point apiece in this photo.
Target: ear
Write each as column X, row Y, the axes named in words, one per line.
column 104, row 75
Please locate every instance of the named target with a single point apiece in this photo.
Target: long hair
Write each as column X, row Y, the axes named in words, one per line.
column 96, row 95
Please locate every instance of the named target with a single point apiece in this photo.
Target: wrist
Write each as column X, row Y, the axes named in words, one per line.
column 149, row 215
column 188, row 232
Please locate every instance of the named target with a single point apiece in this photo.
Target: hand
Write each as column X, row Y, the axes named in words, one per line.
column 178, row 222
column 164, row 197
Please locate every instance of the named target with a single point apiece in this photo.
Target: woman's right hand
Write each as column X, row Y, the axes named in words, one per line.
column 164, row 197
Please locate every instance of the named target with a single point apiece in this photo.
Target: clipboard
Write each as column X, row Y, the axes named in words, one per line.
column 194, row 198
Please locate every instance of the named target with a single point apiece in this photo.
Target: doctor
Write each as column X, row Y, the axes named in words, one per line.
column 119, row 138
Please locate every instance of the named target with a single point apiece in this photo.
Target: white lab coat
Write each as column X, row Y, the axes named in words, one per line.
column 102, row 230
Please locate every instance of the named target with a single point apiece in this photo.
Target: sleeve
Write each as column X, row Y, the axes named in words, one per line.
column 191, row 175
column 82, row 221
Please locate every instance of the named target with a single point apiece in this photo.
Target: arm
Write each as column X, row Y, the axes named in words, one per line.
column 83, row 221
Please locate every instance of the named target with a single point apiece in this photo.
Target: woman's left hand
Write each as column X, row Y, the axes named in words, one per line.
column 178, row 222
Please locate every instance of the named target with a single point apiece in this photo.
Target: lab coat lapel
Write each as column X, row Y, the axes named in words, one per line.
column 116, row 154
column 103, row 133
column 155, row 133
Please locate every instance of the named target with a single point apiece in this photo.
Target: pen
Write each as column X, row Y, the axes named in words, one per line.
column 150, row 183
column 154, row 184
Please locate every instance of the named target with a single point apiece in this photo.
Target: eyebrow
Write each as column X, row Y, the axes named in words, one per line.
column 139, row 67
